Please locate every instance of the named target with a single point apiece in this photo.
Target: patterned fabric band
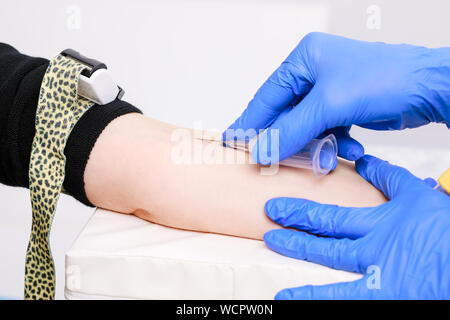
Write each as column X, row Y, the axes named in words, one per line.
column 59, row 108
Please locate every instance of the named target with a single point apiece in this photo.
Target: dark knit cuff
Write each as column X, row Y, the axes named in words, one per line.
column 82, row 139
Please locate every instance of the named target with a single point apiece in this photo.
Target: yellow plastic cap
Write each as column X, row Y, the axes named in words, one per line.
column 444, row 180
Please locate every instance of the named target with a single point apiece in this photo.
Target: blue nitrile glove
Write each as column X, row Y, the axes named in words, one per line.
column 406, row 240
column 335, row 82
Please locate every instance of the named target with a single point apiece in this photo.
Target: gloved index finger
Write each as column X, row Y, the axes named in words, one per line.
column 342, row 254
column 293, row 129
column 283, row 88
column 389, row 179
column 323, row 219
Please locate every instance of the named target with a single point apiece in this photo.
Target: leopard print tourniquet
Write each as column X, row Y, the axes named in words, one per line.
column 59, row 108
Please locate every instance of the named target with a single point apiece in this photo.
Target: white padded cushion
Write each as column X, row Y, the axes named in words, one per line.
column 121, row 256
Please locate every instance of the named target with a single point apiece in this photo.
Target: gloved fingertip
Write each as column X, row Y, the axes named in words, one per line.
column 234, row 133
column 285, row 294
column 348, row 148
column 431, row 182
column 275, row 239
column 276, row 209
column 363, row 162
column 270, row 209
column 268, row 237
column 229, row 133
column 224, row 135
column 355, row 152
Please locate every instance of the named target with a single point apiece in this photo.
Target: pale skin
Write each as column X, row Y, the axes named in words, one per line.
column 131, row 170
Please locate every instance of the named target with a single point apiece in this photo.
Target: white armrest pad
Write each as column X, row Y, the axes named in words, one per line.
column 121, row 256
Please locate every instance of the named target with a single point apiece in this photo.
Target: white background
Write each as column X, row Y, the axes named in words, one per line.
column 182, row 61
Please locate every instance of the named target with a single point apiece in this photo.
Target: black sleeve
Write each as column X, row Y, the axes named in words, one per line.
column 20, row 82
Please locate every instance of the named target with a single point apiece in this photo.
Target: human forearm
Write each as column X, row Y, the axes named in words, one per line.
column 131, row 170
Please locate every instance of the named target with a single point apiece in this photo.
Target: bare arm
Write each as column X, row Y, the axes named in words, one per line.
column 131, row 170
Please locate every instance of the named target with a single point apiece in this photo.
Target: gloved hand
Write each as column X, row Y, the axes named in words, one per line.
column 407, row 240
column 335, row 82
